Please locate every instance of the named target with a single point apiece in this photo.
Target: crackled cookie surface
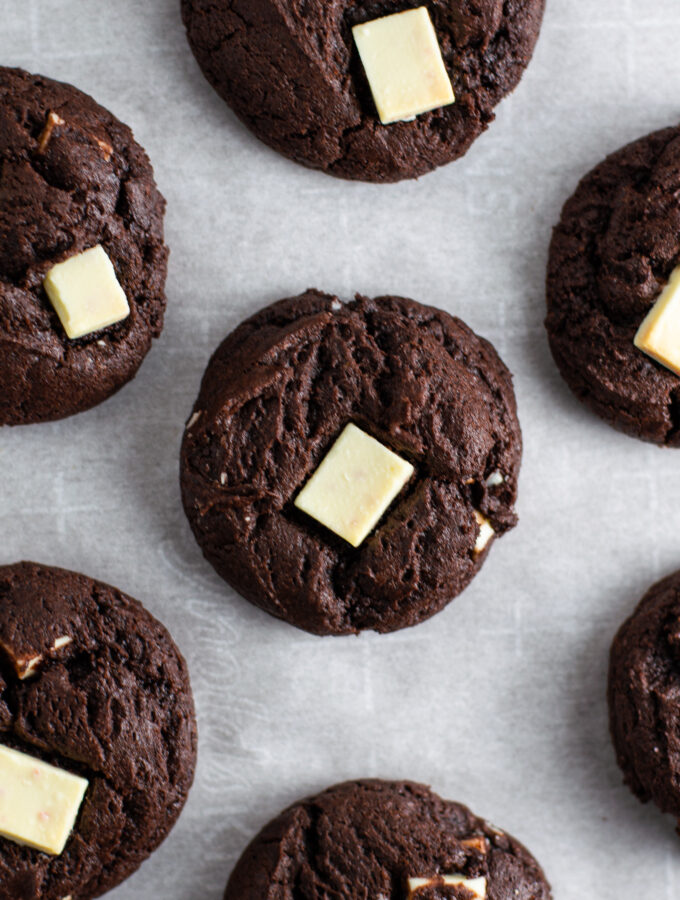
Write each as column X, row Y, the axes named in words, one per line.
column 644, row 692
column 393, row 840
column 93, row 685
column 291, row 70
column 422, row 390
column 72, row 178
column 613, row 253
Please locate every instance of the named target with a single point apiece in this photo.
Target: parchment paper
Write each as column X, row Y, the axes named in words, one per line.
column 498, row 701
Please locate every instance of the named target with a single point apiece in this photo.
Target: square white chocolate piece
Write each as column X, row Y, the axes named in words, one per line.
column 38, row 803
column 476, row 886
column 355, row 483
column 403, row 63
column 659, row 334
column 485, row 534
column 86, row 294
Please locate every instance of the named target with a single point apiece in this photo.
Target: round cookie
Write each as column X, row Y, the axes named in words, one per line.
column 91, row 683
column 275, row 397
column 71, row 178
column 368, row 838
column 613, row 251
column 290, row 70
column 644, row 697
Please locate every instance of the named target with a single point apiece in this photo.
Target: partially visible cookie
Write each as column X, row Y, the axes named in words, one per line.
column 612, row 254
column 644, row 697
column 385, row 839
column 276, row 397
column 291, row 71
column 92, row 684
column 72, row 178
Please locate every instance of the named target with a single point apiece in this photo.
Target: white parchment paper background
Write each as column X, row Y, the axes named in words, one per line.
column 498, row 701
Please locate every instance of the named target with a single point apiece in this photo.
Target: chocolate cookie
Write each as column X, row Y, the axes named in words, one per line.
column 385, row 839
column 613, row 251
column 292, row 73
column 644, row 697
column 276, row 396
column 71, row 178
column 91, row 683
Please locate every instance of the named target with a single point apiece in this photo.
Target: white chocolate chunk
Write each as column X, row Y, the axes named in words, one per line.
column 659, row 334
column 38, row 803
column 27, row 667
column 194, row 418
column 86, row 294
column 355, row 483
column 24, row 660
column 476, row 886
column 106, row 148
column 62, row 642
column 486, row 532
column 403, row 63
column 52, row 121
column 475, row 843
column 495, row 479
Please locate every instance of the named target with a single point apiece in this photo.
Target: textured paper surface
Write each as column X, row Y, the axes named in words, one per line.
column 499, row 701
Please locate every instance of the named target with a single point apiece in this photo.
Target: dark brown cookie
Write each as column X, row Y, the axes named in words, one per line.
column 112, row 704
column 644, row 697
column 612, row 253
column 63, row 189
column 276, row 395
column 368, row 838
column 291, row 72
